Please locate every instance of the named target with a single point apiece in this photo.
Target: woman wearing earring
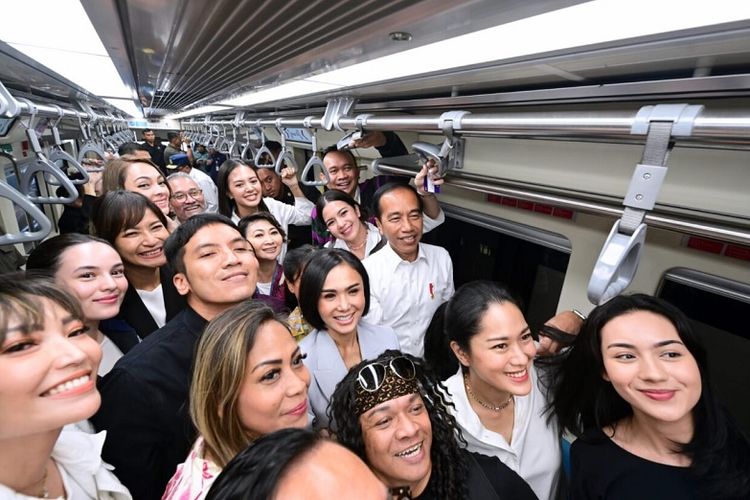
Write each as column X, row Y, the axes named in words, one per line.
column 334, row 295
column 267, row 238
column 249, row 380
column 241, row 194
column 48, row 369
column 137, row 229
column 499, row 403
column 635, row 388
column 93, row 272
column 341, row 215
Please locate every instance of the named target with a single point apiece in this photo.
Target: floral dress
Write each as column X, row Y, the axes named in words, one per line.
column 193, row 477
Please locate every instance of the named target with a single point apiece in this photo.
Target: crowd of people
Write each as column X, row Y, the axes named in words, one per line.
column 216, row 331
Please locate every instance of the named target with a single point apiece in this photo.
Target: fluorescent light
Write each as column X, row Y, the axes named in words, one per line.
column 197, row 111
column 127, row 106
column 590, row 23
column 284, row 91
column 59, row 35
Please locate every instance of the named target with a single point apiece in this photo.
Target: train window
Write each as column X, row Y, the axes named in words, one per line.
column 530, row 261
column 5, row 125
column 718, row 309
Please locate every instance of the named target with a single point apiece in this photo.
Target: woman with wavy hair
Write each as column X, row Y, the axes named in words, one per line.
column 635, row 389
column 248, row 381
column 393, row 413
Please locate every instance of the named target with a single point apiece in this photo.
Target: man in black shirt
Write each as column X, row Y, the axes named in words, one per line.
column 145, row 396
column 154, row 147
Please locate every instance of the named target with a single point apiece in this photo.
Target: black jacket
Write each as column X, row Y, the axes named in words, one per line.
column 145, row 407
column 134, row 312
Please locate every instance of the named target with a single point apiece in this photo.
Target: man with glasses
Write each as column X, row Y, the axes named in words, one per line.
column 181, row 163
column 187, row 197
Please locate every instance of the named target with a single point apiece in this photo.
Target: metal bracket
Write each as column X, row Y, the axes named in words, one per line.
column 335, row 109
column 682, row 117
column 450, row 155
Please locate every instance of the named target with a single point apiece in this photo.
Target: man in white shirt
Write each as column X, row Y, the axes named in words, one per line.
column 181, row 163
column 408, row 279
column 187, row 197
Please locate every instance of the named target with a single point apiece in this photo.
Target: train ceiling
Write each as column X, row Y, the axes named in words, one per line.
column 181, row 54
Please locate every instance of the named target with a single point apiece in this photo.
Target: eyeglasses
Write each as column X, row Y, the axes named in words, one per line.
column 193, row 193
column 372, row 376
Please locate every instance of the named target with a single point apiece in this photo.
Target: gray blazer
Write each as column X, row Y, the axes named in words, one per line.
column 327, row 367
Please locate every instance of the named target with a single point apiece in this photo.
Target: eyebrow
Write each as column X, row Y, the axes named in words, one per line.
column 26, row 328
column 353, row 285
column 273, row 361
column 495, row 339
column 145, row 177
column 657, row 345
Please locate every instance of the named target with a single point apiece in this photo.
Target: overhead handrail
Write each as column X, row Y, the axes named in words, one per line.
column 286, row 156
column 57, row 152
column 263, row 156
column 314, row 161
column 32, row 213
column 618, row 260
column 345, row 142
column 41, row 165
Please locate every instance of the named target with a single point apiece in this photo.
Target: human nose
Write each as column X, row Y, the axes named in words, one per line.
column 150, row 239
column 230, row 258
column 406, row 427
column 650, row 369
column 68, row 353
column 343, row 302
column 108, row 282
column 299, row 382
column 518, row 356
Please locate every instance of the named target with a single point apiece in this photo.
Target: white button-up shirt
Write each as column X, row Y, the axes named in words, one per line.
column 404, row 295
column 534, row 452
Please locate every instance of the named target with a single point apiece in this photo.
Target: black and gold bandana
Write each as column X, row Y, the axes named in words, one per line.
column 393, row 387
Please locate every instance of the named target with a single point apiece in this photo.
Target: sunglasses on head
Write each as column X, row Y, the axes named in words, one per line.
column 372, row 375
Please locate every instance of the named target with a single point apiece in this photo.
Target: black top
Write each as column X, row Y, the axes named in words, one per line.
column 601, row 469
column 156, row 151
column 489, row 479
column 145, row 407
column 120, row 333
column 77, row 220
column 135, row 313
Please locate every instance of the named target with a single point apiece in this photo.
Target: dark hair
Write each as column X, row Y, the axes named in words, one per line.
column 145, row 131
column 346, row 152
column 449, row 469
column 274, row 147
column 129, row 148
column 266, row 216
column 116, row 171
column 119, row 210
column 336, row 195
column 227, row 206
column 314, row 277
column 437, row 352
column 387, row 188
column 19, row 300
column 172, row 135
column 296, row 259
column 256, row 472
column 47, row 257
column 582, row 399
column 174, row 247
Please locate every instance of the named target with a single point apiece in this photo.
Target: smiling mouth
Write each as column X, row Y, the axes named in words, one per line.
column 344, row 319
column 149, row 254
column 235, row 277
column 68, row 386
column 411, row 451
column 520, row 375
column 110, row 299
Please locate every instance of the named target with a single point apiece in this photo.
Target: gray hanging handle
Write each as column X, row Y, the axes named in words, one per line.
column 314, row 161
column 248, row 151
column 45, row 226
column 42, row 165
column 286, row 156
column 263, row 150
column 57, row 153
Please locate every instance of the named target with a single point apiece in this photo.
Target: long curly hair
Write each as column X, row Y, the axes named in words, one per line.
column 449, row 466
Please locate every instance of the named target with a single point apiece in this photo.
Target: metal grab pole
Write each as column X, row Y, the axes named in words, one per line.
column 722, row 233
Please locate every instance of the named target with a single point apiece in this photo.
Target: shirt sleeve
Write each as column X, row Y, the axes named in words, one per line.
column 430, row 223
column 135, row 439
column 298, row 214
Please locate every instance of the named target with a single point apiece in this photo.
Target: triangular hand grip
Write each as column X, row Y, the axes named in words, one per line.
column 313, row 162
column 57, row 153
column 263, row 150
column 29, row 169
column 285, row 157
column 45, row 226
column 90, row 147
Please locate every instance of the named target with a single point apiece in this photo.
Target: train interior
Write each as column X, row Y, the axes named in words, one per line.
column 544, row 133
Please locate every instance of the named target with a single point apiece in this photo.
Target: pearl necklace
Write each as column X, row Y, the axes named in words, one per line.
column 489, row 406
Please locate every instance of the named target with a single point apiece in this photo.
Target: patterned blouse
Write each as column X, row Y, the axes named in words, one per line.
column 194, row 477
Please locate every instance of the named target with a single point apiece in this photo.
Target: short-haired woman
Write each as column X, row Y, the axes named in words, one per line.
column 267, row 238
column 137, row 229
column 334, row 295
column 342, row 216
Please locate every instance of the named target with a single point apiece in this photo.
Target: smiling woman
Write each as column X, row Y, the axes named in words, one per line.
column 249, row 380
column 137, row 229
column 267, row 238
column 48, row 371
column 635, row 388
column 92, row 271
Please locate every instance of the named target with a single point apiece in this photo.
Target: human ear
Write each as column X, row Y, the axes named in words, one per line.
column 462, row 356
column 181, row 283
column 379, row 225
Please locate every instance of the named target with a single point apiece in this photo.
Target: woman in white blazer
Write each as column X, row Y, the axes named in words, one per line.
column 334, row 295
